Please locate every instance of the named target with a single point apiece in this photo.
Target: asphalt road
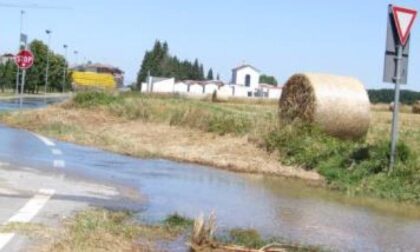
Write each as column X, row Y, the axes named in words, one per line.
column 34, row 188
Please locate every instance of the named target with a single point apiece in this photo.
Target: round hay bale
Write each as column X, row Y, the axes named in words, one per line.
column 416, row 107
column 338, row 105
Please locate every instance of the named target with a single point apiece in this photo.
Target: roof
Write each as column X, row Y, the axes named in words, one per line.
column 106, row 66
column 244, row 66
column 270, row 86
column 159, row 79
column 202, row 83
column 8, row 55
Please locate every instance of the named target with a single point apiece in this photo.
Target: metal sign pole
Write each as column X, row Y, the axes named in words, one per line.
column 394, row 132
column 22, row 88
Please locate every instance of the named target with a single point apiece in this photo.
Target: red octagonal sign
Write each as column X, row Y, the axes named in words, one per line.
column 24, row 59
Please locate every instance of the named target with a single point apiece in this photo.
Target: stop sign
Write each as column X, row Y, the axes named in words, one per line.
column 24, row 59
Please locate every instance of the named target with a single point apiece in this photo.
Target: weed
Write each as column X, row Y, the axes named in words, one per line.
column 94, row 98
column 177, row 221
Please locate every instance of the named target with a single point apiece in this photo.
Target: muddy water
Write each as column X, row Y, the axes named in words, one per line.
column 274, row 206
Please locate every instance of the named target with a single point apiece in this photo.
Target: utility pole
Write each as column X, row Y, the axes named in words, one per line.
column 76, row 57
column 48, row 32
column 65, row 66
column 22, row 12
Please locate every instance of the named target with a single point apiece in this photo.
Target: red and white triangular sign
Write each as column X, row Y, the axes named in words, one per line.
column 404, row 19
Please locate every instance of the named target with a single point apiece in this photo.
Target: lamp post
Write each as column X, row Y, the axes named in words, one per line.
column 65, row 66
column 76, row 57
column 48, row 32
column 22, row 12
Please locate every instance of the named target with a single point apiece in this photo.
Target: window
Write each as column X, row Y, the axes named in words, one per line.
column 247, row 80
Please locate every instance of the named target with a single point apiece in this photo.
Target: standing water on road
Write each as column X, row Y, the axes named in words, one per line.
column 274, row 206
column 11, row 104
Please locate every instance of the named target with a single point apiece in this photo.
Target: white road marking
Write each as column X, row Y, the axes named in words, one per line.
column 5, row 239
column 45, row 140
column 59, row 164
column 57, row 152
column 27, row 213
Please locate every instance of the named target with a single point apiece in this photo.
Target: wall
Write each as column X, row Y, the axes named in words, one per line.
column 239, row 76
column 241, row 91
column 164, row 86
column 274, row 93
column 225, row 91
column 180, row 87
column 210, row 88
column 196, row 89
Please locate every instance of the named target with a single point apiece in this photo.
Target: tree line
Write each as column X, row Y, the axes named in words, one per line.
column 387, row 96
column 35, row 76
column 159, row 62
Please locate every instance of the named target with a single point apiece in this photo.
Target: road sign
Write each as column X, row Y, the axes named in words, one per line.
column 392, row 42
column 400, row 21
column 23, row 40
column 24, row 59
column 404, row 19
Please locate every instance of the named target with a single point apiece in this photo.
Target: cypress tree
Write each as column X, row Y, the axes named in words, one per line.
column 210, row 74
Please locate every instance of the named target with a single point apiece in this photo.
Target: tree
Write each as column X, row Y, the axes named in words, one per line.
column 210, row 74
column 35, row 76
column 160, row 63
column 7, row 75
column 387, row 96
column 271, row 80
column 218, row 77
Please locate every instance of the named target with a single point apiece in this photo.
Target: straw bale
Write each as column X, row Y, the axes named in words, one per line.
column 338, row 105
column 416, row 107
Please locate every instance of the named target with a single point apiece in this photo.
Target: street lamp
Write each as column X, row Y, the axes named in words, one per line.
column 76, row 57
column 22, row 12
column 65, row 66
column 48, row 32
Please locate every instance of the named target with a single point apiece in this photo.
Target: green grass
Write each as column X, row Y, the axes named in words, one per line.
column 358, row 168
column 104, row 230
column 177, row 221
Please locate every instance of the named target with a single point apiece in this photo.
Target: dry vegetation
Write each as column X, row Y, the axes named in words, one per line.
column 239, row 135
column 101, row 230
column 144, row 134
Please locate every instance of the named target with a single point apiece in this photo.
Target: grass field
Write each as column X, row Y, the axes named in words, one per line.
column 239, row 135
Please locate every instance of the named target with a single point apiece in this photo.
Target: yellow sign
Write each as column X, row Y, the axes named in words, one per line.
column 92, row 79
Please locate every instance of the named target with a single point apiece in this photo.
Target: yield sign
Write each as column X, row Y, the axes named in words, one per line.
column 404, row 19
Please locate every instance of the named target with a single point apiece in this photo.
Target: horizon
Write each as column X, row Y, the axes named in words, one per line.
column 331, row 37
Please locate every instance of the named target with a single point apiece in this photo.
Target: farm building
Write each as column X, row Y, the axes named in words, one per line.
column 244, row 83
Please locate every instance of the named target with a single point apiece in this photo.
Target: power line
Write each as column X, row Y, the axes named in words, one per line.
column 34, row 6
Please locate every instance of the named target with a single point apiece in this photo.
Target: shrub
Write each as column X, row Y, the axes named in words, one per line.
column 94, row 98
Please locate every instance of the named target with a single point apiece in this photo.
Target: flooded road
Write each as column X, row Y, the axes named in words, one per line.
column 274, row 206
column 28, row 102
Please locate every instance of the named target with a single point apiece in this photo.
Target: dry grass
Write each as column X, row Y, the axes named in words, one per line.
column 409, row 128
column 382, row 107
column 97, row 127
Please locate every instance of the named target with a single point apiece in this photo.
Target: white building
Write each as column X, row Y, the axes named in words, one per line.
column 244, row 83
column 158, row 85
column 246, row 76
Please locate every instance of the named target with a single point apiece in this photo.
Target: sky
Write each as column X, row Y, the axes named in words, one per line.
column 278, row 37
